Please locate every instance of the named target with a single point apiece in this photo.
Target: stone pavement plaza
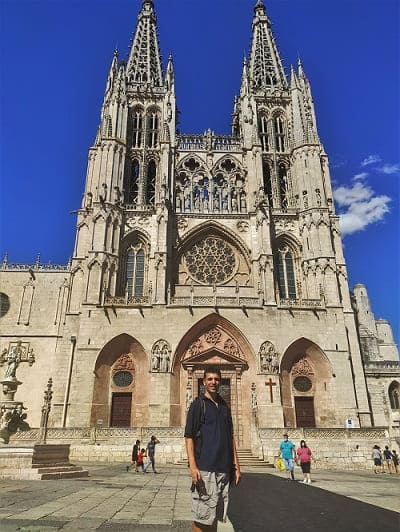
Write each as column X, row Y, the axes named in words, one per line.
column 113, row 500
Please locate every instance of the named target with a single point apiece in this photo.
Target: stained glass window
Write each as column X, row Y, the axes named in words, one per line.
column 211, row 261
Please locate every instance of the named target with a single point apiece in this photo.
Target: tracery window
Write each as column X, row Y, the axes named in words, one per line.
column 263, row 132
column 107, row 126
column 267, row 181
column 211, row 261
column 279, row 131
column 137, row 128
column 223, row 192
column 283, row 188
column 135, row 270
column 286, row 273
column 152, row 129
column 394, row 396
column 151, row 182
column 132, row 183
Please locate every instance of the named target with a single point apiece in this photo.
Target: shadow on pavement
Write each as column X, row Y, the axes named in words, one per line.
column 264, row 503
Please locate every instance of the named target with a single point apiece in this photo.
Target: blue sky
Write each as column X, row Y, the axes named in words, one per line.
column 55, row 56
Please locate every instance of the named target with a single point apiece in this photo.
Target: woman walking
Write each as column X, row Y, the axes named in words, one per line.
column 304, row 455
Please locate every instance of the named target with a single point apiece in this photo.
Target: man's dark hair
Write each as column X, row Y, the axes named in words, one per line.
column 212, row 369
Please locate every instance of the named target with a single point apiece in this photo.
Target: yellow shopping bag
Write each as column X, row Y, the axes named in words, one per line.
column 280, row 464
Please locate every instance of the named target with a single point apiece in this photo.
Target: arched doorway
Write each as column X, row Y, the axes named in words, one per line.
column 120, row 393
column 214, row 341
column 306, row 386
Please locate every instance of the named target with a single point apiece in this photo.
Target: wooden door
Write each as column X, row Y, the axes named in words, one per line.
column 121, row 410
column 305, row 415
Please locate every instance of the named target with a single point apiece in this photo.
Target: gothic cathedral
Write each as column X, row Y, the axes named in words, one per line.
column 197, row 250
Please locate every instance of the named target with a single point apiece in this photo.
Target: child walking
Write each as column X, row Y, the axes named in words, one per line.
column 140, row 459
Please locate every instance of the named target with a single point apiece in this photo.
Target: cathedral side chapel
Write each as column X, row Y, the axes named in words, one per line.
column 203, row 249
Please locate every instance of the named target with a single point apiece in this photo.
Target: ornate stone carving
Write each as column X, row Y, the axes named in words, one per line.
column 268, row 358
column 253, row 396
column 213, row 336
column 125, row 362
column 195, row 348
column 16, row 353
column 188, row 395
column 160, row 356
column 231, row 347
column 302, row 367
column 182, row 224
column 242, row 226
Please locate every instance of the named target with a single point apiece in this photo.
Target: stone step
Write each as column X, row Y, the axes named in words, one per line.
column 51, row 469
column 58, row 474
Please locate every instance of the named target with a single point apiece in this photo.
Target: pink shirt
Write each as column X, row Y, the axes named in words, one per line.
column 304, row 453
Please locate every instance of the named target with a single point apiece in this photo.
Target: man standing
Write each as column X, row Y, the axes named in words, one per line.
column 288, row 455
column 151, row 449
column 212, row 455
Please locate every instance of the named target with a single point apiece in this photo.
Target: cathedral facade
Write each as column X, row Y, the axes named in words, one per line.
column 197, row 250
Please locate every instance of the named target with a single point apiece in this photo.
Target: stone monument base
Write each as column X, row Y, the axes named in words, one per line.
column 38, row 462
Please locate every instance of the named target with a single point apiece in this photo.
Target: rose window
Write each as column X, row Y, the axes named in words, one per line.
column 210, row 261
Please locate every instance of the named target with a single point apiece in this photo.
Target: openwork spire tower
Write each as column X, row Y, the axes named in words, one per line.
column 144, row 64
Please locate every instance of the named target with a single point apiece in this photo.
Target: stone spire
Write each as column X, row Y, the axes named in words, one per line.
column 266, row 70
column 144, row 63
column 304, row 125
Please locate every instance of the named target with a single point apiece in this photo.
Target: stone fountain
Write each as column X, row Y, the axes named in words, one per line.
column 40, row 460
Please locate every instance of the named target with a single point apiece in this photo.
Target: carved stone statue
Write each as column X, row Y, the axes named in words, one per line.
column 269, row 358
column 13, row 360
column 165, row 359
column 253, row 397
column 155, row 362
column 161, row 357
column 188, row 395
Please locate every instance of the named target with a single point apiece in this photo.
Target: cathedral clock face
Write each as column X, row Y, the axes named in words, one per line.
column 211, row 261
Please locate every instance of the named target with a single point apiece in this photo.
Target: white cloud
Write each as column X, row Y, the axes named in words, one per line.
column 390, row 169
column 361, row 207
column 361, row 176
column 371, row 159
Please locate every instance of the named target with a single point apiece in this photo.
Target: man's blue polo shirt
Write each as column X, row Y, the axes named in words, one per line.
column 214, row 448
column 286, row 448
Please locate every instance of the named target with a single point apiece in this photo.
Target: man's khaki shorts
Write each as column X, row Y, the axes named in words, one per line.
column 214, row 505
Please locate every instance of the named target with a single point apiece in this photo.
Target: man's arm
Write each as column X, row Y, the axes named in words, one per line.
column 194, row 470
column 236, row 463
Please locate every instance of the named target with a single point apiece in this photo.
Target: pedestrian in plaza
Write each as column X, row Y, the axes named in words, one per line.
column 150, row 451
column 140, row 459
column 212, row 455
column 388, row 459
column 395, row 460
column 304, row 456
column 377, row 458
column 135, row 451
column 288, row 455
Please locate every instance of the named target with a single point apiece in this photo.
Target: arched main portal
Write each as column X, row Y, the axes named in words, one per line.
column 306, row 375
column 214, row 341
column 117, row 400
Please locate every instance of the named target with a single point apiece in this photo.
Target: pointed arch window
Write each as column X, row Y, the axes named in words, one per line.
column 279, row 130
column 283, row 189
column 135, row 270
column 132, row 185
column 394, row 396
column 286, row 273
column 151, row 182
column 152, row 129
column 137, row 128
column 263, row 132
column 267, row 183
column 107, row 126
